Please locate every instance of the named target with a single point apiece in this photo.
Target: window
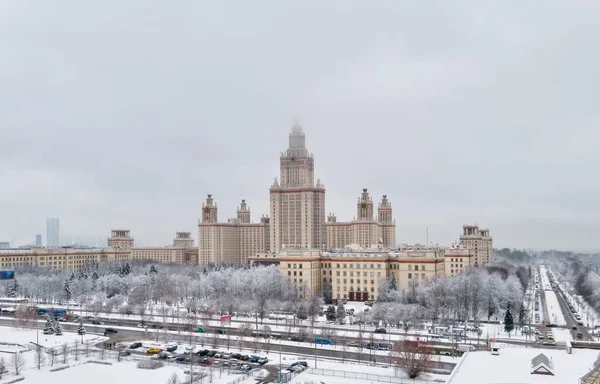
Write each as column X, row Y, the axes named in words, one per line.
column 410, row 275
column 300, row 273
column 422, row 267
column 337, row 273
column 409, row 267
column 289, row 273
column 300, row 266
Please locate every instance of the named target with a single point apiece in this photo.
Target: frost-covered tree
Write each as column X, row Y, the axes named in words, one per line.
column 341, row 313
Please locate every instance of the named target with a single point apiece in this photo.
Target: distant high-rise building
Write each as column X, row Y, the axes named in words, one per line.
column 4, row 245
column 38, row 240
column 479, row 241
column 52, row 232
column 297, row 202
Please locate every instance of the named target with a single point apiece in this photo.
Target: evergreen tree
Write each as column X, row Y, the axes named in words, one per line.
column 57, row 328
column 529, row 270
column 341, row 313
column 330, row 313
column 68, row 293
column 393, row 283
column 13, row 288
column 153, row 270
column 522, row 314
column 302, row 312
column 508, row 320
column 49, row 326
column 94, row 276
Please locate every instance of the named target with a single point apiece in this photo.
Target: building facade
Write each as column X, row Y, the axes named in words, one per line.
column 120, row 250
column 297, row 203
column 231, row 242
column 38, row 240
column 365, row 230
column 4, row 245
column 52, row 232
column 355, row 273
column 479, row 241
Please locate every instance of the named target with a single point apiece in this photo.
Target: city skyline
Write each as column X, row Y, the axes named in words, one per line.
column 469, row 114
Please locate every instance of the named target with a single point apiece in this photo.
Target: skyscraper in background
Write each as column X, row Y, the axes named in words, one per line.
column 38, row 240
column 52, row 232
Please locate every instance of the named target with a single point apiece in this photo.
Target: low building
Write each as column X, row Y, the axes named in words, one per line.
column 4, row 245
column 542, row 365
column 121, row 250
column 354, row 272
column 457, row 259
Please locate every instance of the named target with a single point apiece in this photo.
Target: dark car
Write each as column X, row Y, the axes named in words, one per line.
column 135, row 345
column 302, row 363
column 212, row 353
column 110, row 330
column 244, row 357
column 171, row 348
column 203, row 352
column 124, row 353
column 236, row 356
column 380, row 330
column 579, row 335
column 254, row 359
column 181, row 359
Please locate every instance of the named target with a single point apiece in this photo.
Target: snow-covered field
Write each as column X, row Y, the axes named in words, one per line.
column 27, row 336
column 513, row 366
column 553, row 308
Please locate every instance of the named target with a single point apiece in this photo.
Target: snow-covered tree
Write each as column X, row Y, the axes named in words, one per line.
column 341, row 313
column 393, row 283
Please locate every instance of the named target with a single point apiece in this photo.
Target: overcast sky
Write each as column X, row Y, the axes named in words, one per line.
column 125, row 114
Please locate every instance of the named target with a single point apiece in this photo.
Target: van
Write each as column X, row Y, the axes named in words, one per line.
column 496, row 351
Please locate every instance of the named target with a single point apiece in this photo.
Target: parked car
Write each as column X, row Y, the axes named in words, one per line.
column 263, row 360
column 212, row 353
column 352, row 344
column 574, row 327
column 254, row 359
column 302, row 363
column 124, row 353
column 135, row 345
column 171, row 348
column 203, row 352
column 380, row 330
column 110, row 330
column 226, row 355
column 236, row 356
column 244, row 357
column 152, row 351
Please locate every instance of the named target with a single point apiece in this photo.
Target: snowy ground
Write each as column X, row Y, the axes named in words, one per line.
column 27, row 336
column 496, row 331
column 553, row 308
column 513, row 366
column 561, row 335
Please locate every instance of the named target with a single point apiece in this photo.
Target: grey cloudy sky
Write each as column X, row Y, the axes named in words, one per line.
column 127, row 113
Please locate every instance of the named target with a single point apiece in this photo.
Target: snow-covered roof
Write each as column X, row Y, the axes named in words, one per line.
column 542, row 364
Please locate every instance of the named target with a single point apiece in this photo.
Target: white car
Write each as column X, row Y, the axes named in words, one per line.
column 140, row 326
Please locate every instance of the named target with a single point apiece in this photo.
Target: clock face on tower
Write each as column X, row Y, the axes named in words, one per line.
column 363, row 205
column 293, row 158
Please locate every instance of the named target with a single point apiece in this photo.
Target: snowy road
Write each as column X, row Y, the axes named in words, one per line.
column 554, row 309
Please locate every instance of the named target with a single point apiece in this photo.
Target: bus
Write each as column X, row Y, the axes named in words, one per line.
column 323, row 341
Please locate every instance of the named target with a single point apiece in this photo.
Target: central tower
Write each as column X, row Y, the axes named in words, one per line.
column 297, row 204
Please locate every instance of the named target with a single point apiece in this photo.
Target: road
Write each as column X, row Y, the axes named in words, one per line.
column 571, row 321
column 309, row 351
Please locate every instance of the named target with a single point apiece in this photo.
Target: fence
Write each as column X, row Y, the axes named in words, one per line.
column 368, row 376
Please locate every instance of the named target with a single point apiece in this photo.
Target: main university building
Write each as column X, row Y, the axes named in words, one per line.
column 323, row 256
